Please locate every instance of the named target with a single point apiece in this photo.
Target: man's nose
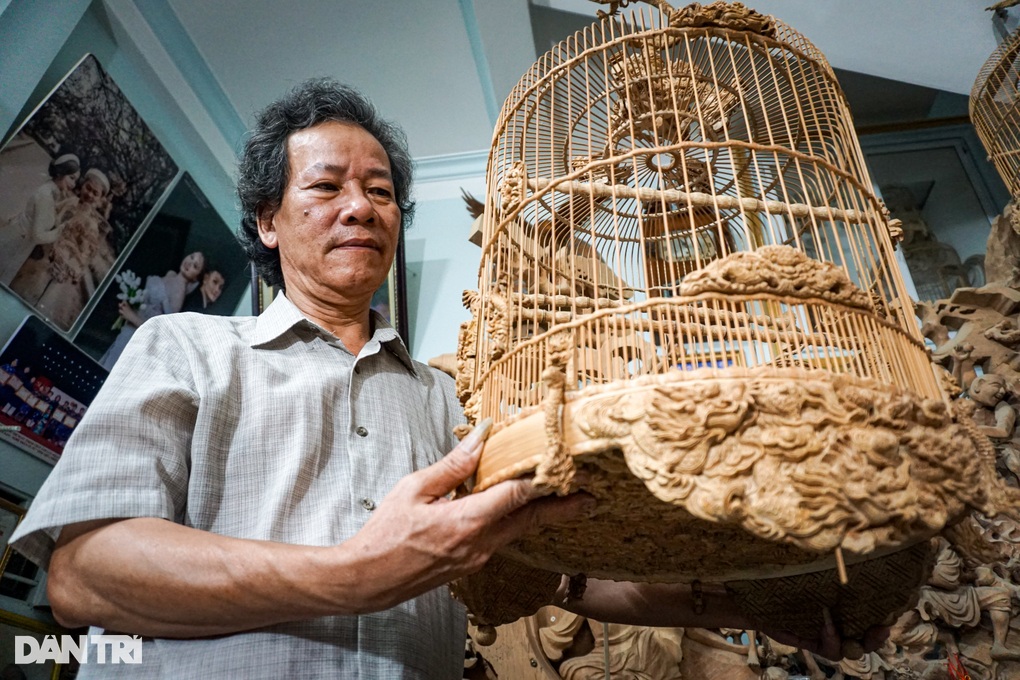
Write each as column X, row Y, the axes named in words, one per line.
column 357, row 207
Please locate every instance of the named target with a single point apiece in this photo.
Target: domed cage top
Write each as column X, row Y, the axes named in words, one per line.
column 679, row 197
column 995, row 110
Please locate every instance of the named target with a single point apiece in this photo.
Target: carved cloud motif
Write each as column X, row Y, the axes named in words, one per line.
column 803, row 457
column 776, row 270
column 731, row 15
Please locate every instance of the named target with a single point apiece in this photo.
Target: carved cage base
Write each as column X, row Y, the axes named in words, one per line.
column 754, row 478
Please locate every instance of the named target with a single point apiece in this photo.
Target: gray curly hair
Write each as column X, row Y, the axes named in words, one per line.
column 263, row 172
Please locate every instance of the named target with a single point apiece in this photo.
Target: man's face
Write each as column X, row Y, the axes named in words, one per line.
column 212, row 286
column 338, row 223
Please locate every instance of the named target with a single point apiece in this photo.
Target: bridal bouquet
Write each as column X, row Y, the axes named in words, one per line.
column 131, row 292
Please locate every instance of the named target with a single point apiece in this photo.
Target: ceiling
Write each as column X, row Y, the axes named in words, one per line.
column 442, row 68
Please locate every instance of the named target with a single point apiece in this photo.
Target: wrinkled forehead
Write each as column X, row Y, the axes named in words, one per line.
column 322, row 144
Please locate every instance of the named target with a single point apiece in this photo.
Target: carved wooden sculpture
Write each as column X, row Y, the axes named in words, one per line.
column 689, row 307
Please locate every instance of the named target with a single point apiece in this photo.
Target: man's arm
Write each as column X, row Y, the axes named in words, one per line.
column 656, row 604
column 149, row 576
column 677, row 605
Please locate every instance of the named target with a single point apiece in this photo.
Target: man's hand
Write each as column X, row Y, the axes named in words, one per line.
column 829, row 645
column 418, row 538
column 674, row 605
column 148, row 576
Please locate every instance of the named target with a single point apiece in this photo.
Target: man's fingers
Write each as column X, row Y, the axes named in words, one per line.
column 830, row 645
column 500, row 500
column 442, row 477
column 549, row 510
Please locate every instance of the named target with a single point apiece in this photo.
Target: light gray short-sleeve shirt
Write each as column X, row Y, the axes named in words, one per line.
column 262, row 428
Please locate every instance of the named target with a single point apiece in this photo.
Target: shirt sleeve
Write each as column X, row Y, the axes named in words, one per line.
column 130, row 455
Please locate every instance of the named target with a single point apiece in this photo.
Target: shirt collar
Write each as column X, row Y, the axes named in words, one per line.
column 282, row 315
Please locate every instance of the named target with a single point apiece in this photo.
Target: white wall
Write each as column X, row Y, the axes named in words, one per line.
column 441, row 262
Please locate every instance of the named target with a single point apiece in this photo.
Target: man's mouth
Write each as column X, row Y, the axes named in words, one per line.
column 359, row 243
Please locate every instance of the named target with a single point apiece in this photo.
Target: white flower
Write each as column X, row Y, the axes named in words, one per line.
column 128, row 279
column 131, row 292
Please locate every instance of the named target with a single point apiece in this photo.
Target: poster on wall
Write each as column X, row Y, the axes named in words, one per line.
column 391, row 298
column 76, row 182
column 187, row 260
column 46, row 385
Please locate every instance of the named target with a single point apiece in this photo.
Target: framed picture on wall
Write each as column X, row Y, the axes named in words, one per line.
column 77, row 181
column 262, row 293
column 187, row 260
column 46, row 385
column 10, row 517
column 391, row 298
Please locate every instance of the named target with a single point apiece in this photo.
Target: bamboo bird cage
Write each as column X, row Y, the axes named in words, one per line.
column 995, row 110
column 689, row 307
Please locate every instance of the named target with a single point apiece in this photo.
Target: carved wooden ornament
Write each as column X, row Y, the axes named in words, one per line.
column 689, row 307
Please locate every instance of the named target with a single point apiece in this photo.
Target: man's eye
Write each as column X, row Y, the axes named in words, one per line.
column 325, row 186
column 381, row 191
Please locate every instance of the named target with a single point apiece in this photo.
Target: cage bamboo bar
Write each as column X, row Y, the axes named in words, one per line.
column 689, row 307
column 649, row 151
column 995, row 110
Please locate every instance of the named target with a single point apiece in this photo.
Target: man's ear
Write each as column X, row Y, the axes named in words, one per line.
column 267, row 228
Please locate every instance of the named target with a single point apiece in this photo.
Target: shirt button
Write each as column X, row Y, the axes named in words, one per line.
column 362, row 432
column 368, row 504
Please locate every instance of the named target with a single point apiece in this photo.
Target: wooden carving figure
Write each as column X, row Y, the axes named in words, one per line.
column 689, row 307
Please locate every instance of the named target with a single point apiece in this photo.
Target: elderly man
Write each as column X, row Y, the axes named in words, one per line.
column 268, row 497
